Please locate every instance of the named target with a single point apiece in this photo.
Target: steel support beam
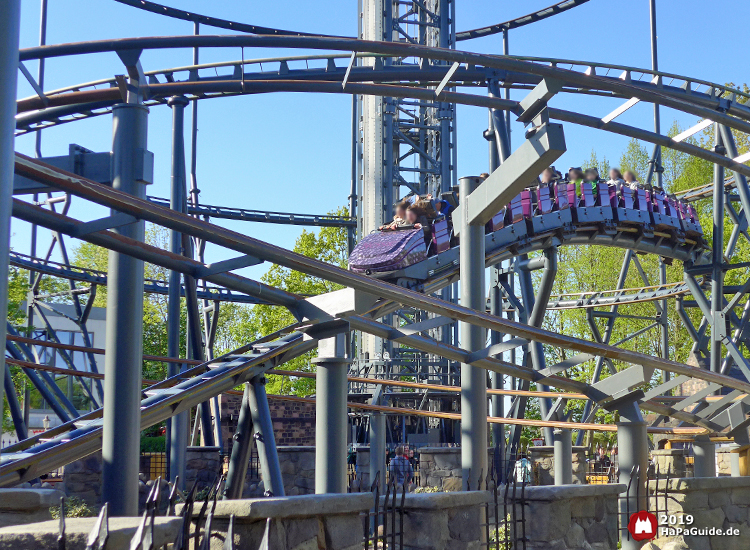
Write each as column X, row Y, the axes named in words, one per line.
column 10, row 17
column 717, row 320
column 178, row 427
column 265, row 441
column 705, row 457
column 377, row 448
column 124, row 332
column 563, row 457
column 536, row 153
column 331, row 416
column 241, row 449
column 473, row 379
column 632, row 442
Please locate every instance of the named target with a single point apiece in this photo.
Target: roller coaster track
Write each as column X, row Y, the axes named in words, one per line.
column 236, row 26
column 712, row 420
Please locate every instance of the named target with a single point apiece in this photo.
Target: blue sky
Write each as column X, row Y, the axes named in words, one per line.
column 291, row 152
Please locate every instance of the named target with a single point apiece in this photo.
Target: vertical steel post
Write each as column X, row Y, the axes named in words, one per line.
column 351, row 231
column 178, row 427
column 124, row 331
column 265, row 441
column 718, row 322
column 241, row 449
column 473, row 379
column 331, row 416
column 377, row 448
column 734, row 461
column 563, row 457
column 705, row 457
column 632, row 444
column 655, row 67
column 10, row 17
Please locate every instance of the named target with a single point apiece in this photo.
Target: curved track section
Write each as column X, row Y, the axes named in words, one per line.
column 549, row 11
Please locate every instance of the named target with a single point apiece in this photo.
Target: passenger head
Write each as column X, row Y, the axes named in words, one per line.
column 592, row 174
column 629, row 176
column 548, row 175
column 413, row 213
column 483, row 176
column 575, row 174
column 400, row 450
column 401, row 209
column 615, row 174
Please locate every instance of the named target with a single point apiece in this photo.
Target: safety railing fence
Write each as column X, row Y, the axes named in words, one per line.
column 656, row 500
column 383, row 525
column 153, row 465
column 503, row 518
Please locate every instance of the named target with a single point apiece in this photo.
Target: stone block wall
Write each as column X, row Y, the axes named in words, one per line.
column 204, row 465
column 441, row 467
column 333, row 522
column 543, row 465
column 83, row 479
column 669, row 460
column 720, row 502
column 297, row 470
column 441, row 521
column 293, row 423
column 572, row 517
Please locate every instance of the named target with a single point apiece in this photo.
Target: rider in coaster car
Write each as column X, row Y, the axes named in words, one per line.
column 592, row 177
column 416, row 216
column 547, row 178
column 630, row 179
column 575, row 176
column 398, row 220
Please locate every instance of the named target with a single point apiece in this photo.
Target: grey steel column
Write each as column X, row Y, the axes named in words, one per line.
column 10, row 17
column 331, row 416
column 632, row 444
column 734, row 461
column 265, row 441
column 178, row 427
column 563, row 457
column 718, row 322
column 241, row 450
column 705, row 457
column 473, row 379
column 655, row 67
column 124, row 334
column 377, row 449
column 497, row 402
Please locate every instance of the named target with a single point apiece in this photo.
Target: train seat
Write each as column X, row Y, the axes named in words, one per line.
column 441, row 235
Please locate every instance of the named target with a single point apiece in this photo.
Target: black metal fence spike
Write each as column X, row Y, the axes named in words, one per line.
column 61, row 526
column 229, row 540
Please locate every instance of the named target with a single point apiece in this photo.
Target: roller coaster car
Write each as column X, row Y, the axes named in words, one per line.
column 440, row 238
column 664, row 215
column 625, row 203
column 588, row 211
column 549, row 215
column 689, row 218
column 388, row 251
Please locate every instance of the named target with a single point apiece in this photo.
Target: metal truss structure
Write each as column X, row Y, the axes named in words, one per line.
column 404, row 74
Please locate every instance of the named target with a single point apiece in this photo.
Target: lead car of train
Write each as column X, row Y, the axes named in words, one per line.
column 538, row 212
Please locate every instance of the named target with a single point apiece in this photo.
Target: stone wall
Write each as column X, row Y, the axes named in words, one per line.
column 543, row 465
column 444, row 522
column 83, row 479
column 572, row 517
column 293, row 423
column 202, row 464
column 441, row 467
column 21, row 506
column 669, row 460
column 297, row 470
column 720, row 502
column 333, row 522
